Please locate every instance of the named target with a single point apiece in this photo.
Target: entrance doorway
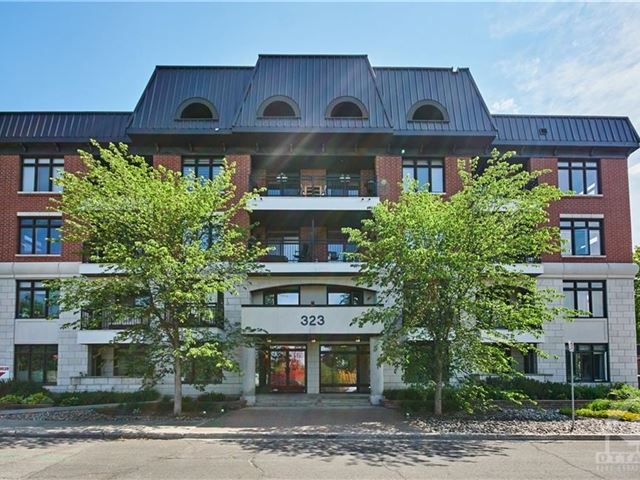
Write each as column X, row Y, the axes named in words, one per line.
column 282, row 369
column 345, row 368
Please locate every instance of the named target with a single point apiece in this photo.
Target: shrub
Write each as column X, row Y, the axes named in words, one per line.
column 97, row 398
column 599, row 405
column 38, row 399
column 621, row 415
column 211, row 397
column 21, row 388
column 69, row 402
column 537, row 390
column 11, row 398
column 623, row 392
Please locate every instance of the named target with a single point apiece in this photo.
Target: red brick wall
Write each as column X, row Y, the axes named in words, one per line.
column 389, row 174
column 613, row 204
column 14, row 202
column 173, row 162
column 241, row 181
column 452, row 182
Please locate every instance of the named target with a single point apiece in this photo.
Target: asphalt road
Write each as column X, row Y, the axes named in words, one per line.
column 301, row 459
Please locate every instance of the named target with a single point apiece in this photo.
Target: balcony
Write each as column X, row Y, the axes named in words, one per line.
column 306, row 320
column 102, row 327
column 297, row 251
column 343, row 191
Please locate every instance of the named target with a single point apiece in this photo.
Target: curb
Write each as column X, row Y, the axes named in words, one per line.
column 114, row 435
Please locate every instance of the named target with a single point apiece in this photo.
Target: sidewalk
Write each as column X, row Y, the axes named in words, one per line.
column 367, row 424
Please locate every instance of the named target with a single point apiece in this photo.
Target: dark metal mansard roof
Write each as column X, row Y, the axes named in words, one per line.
column 311, row 84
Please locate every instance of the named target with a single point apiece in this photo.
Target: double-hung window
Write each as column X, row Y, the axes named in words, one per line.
column 429, row 171
column 586, row 296
column 207, row 168
column 590, row 362
column 38, row 174
column 40, row 235
column 581, row 236
column 579, row 177
column 34, row 300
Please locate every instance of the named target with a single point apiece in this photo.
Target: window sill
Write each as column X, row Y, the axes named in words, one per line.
column 593, row 195
column 21, row 192
column 46, row 255
column 36, row 319
column 583, row 256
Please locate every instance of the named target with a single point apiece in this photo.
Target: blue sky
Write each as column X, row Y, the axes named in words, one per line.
column 533, row 58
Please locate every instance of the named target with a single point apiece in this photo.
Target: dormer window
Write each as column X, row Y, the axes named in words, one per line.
column 346, row 107
column 428, row 111
column 197, row 109
column 279, row 107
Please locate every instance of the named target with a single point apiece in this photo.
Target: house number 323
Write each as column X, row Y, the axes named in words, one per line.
column 312, row 320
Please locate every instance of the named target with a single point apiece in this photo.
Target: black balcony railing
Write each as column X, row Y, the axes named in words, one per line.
column 309, row 251
column 105, row 320
column 295, row 185
column 211, row 316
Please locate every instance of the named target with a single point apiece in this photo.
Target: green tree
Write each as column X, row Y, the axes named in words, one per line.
column 170, row 246
column 636, row 286
column 447, row 277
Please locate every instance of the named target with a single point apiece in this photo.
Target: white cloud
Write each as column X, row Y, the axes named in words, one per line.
column 576, row 59
column 505, row 105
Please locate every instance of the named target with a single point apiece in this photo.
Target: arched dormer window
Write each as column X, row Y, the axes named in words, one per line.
column 197, row 109
column 279, row 106
column 346, row 107
column 428, row 111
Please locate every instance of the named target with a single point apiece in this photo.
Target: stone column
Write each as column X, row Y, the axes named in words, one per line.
column 313, row 367
column 249, row 375
column 377, row 373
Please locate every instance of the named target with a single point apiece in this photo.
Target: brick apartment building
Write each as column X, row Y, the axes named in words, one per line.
column 328, row 137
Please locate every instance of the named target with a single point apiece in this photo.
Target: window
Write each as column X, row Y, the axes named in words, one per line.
column 426, row 171
column 428, row 111
column 590, row 362
column 37, row 363
column 206, row 168
column 201, row 371
column 279, row 106
column 345, row 296
column 129, row 361
column 282, row 296
column 579, row 177
column 346, row 107
column 581, row 237
column 530, row 362
column 40, row 235
column 38, row 174
column 197, row 109
column 587, row 296
column 34, row 300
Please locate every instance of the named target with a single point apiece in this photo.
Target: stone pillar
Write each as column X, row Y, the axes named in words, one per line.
column 248, row 365
column 377, row 373
column 313, row 367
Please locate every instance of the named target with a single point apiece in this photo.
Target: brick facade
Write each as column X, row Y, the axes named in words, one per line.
column 613, row 204
column 388, row 170
column 14, row 201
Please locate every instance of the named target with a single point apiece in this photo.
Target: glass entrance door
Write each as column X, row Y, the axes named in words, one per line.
column 344, row 369
column 282, row 369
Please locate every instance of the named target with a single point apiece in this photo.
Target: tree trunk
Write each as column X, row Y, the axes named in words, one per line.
column 177, row 386
column 437, row 396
